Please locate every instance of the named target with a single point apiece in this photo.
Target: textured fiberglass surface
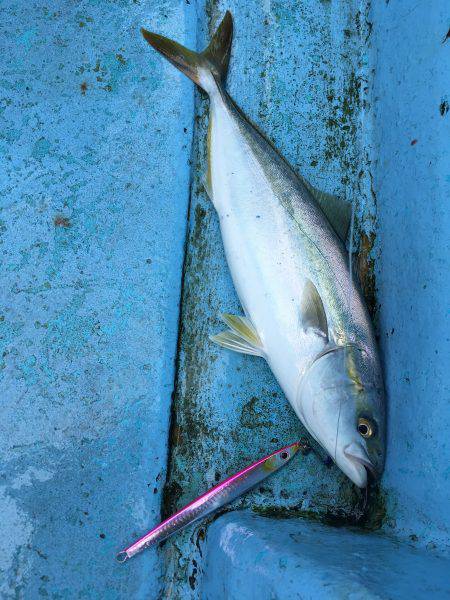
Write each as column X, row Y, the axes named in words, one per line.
column 105, row 226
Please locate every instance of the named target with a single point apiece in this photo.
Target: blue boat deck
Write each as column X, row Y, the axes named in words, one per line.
column 246, row 558
column 116, row 408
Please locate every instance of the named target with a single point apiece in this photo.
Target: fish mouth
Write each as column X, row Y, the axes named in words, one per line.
column 360, row 464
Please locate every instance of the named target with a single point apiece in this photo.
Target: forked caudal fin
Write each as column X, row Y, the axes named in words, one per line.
column 208, row 68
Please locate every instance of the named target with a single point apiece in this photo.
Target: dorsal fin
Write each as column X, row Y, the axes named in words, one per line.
column 312, row 311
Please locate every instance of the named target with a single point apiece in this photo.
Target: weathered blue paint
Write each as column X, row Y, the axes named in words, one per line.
column 97, row 143
column 412, row 186
column 93, row 224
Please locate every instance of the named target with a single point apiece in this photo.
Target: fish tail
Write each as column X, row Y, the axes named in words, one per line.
column 208, row 69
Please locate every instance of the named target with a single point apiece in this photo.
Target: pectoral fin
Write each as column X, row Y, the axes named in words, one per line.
column 337, row 210
column 312, row 311
column 241, row 337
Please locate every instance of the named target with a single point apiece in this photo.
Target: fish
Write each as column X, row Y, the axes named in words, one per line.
column 284, row 241
column 221, row 494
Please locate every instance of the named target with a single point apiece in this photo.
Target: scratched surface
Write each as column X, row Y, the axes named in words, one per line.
column 93, row 220
column 103, row 151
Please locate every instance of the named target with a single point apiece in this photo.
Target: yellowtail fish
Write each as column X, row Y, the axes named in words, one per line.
column 221, row 494
column 303, row 311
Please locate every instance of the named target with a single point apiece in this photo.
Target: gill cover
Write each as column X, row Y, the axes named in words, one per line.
column 337, row 390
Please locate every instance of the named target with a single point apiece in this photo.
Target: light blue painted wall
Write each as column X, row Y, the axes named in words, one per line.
column 412, row 187
column 95, row 142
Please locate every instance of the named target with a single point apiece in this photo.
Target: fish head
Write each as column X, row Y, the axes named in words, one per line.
column 341, row 402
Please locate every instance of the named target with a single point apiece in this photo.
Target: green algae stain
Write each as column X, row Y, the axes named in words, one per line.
column 189, row 427
column 366, row 270
column 171, row 495
column 341, row 125
column 107, row 72
column 376, row 514
column 368, row 518
column 252, row 417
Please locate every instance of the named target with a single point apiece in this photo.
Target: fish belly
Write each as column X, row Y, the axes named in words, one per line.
column 263, row 251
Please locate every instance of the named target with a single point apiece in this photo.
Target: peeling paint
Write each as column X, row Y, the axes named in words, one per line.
column 17, row 530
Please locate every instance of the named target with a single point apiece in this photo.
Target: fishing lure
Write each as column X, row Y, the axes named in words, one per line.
column 221, row 494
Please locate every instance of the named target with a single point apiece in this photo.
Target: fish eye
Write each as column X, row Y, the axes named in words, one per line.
column 365, row 428
column 284, row 455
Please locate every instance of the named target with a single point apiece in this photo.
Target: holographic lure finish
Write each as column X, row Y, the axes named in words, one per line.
column 221, row 494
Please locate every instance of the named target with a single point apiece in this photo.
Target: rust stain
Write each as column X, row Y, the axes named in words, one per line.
column 83, row 88
column 413, row 142
column 60, row 221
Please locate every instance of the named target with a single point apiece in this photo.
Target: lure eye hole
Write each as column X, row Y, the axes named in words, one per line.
column 122, row 556
column 284, row 455
column 365, row 428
